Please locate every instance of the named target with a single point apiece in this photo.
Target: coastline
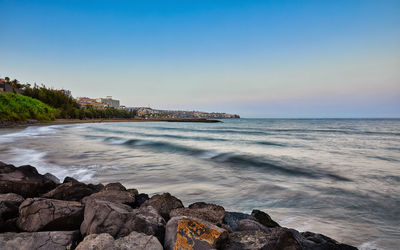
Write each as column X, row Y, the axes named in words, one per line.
column 78, row 121
column 38, row 209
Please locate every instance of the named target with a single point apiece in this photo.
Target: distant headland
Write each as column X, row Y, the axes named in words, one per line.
column 23, row 104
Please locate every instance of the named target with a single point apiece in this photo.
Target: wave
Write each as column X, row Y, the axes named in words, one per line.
column 275, row 167
column 37, row 159
column 228, row 159
column 169, row 136
column 271, row 131
column 29, row 132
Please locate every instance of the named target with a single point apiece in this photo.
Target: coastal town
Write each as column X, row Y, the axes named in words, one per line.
column 102, row 103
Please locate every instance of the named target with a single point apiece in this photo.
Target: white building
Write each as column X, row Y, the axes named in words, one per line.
column 109, row 102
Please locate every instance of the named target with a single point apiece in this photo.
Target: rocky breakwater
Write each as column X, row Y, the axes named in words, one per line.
column 39, row 212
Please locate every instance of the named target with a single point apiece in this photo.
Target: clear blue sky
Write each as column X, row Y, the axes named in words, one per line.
column 256, row 58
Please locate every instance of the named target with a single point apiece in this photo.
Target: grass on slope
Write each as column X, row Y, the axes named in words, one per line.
column 16, row 108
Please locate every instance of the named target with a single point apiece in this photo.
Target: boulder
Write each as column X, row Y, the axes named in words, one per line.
column 119, row 220
column 9, row 204
column 191, row 233
column 140, row 199
column 9, row 225
column 113, row 192
column 164, row 204
column 104, row 217
column 70, row 191
column 102, row 241
column 12, row 198
column 272, row 238
column 69, row 179
column 264, row 218
column 208, row 212
column 39, row 214
column 251, row 225
column 136, row 240
column 24, row 180
column 52, row 178
column 145, row 220
column 134, row 191
column 58, row 240
column 115, row 186
column 316, row 241
column 105, row 241
column 232, row 219
column 246, row 240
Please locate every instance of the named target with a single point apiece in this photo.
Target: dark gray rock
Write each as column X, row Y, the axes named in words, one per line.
column 164, row 204
column 69, row 179
column 274, row 238
column 134, row 191
column 192, row 233
column 208, row 212
column 39, row 214
column 52, row 178
column 247, row 240
column 9, row 204
column 70, row 191
column 232, row 218
column 140, row 199
column 264, row 218
column 24, row 180
column 10, row 225
column 314, row 241
column 251, row 225
column 59, row 240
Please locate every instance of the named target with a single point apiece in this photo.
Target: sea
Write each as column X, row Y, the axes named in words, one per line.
column 338, row 177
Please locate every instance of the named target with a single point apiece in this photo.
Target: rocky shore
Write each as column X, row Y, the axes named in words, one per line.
column 39, row 212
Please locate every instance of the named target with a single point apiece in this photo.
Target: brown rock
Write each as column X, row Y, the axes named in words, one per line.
column 102, row 241
column 191, row 233
column 113, row 192
column 208, row 212
column 134, row 240
column 70, row 191
column 104, row 217
column 59, row 240
column 119, row 220
column 40, row 214
column 9, row 204
column 115, row 186
column 24, row 180
column 164, row 204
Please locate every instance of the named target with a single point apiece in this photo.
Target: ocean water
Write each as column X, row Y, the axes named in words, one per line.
column 339, row 177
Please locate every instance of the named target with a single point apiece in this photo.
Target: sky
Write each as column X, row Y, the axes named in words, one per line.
column 332, row 58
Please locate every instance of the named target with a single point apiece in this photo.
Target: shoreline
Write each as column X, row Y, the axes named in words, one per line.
column 78, row 121
column 92, row 216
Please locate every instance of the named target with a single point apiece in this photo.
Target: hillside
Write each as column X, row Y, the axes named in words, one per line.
column 15, row 108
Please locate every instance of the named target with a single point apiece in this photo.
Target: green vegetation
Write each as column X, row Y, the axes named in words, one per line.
column 66, row 107
column 63, row 106
column 16, row 108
